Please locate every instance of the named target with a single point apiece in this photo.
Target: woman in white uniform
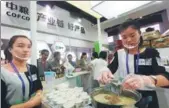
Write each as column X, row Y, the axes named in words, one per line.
column 138, row 66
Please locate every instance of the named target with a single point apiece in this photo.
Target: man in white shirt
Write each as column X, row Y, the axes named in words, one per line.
column 97, row 65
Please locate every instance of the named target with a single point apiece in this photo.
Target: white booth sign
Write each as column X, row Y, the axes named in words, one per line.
column 18, row 14
column 58, row 46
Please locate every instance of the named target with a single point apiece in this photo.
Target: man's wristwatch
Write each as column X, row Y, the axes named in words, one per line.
column 154, row 78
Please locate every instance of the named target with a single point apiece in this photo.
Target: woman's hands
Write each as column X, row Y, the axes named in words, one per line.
column 132, row 82
column 34, row 101
column 137, row 82
column 105, row 77
column 23, row 105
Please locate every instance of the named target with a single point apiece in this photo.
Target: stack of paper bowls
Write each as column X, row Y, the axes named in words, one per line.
column 68, row 98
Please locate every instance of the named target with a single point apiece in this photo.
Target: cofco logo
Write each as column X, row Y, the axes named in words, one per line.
column 23, row 10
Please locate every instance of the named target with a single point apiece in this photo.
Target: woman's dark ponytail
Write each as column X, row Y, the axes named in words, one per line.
column 7, row 53
column 141, row 41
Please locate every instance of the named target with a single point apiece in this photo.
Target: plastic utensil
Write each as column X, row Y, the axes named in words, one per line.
column 115, row 85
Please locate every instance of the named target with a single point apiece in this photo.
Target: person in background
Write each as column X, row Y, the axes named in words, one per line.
column 90, row 80
column 43, row 64
column 149, row 29
column 56, row 66
column 139, row 67
column 70, row 57
column 69, row 65
column 20, row 83
column 83, row 62
column 97, row 65
column 94, row 55
column 110, row 58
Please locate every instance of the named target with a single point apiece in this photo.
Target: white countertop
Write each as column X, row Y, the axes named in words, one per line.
column 67, row 80
column 166, row 66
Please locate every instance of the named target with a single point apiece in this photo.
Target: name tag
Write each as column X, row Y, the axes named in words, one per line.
column 141, row 62
column 34, row 77
column 159, row 61
column 145, row 62
column 148, row 62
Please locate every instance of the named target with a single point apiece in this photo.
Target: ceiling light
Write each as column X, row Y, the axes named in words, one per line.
column 111, row 9
column 48, row 8
column 159, row 1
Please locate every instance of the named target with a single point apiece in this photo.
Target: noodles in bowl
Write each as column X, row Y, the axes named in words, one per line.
column 102, row 98
column 113, row 99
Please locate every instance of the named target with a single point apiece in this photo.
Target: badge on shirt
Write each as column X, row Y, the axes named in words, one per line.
column 159, row 61
column 34, row 77
column 141, row 62
column 145, row 62
column 148, row 62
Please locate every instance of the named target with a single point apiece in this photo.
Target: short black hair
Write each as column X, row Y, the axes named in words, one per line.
column 56, row 54
column 149, row 29
column 95, row 55
column 69, row 55
column 103, row 55
column 8, row 55
column 130, row 23
column 44, row 50
column 83, row 54
column 133, row 24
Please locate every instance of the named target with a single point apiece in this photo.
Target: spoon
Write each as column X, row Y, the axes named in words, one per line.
column 115, row 86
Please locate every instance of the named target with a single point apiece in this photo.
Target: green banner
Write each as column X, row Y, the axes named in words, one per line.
column 97, row 47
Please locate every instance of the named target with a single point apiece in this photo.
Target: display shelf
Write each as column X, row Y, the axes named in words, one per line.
column 151, row 40
column 161, row 47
